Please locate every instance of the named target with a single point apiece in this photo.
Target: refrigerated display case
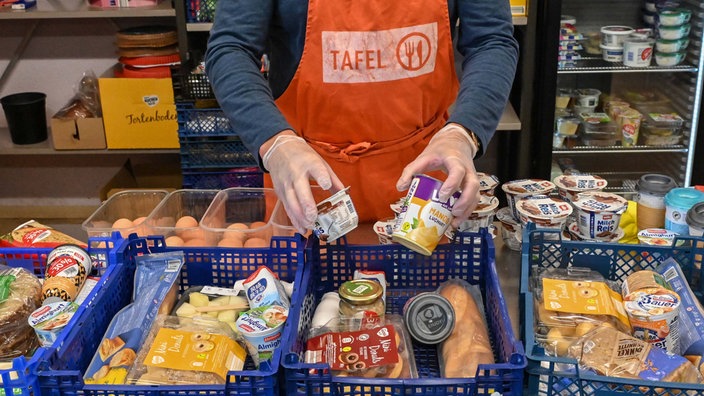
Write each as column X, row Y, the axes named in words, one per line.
column 576, row 62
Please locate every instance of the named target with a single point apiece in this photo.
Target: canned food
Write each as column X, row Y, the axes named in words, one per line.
column 429, row 318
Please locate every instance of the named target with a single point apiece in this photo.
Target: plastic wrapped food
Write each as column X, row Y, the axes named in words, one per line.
column 20, row 295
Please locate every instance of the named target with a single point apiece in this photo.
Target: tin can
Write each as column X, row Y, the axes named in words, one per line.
column 424, row 218
column 67, row 267
column 429, row 318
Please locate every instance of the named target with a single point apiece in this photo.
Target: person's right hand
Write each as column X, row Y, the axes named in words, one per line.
column 292, row 163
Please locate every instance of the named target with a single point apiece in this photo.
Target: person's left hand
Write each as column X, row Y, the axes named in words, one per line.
column 450, row 150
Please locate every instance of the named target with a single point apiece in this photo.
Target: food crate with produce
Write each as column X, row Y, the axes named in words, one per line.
column 17, row 373
column 470, row 258
column 62, row 372
column 589, row 323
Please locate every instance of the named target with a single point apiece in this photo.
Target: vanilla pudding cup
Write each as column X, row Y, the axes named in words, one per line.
column 546, row 212
column 569, row 186
column 599, row 214
column 424, row 218
column 517, row 189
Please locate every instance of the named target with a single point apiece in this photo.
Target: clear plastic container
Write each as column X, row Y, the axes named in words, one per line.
column 240, row 217
column 177, row 217
column 567, row 125
column 125, row 211
column 601, row 134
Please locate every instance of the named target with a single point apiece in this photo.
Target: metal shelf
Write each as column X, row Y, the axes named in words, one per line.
column 598, row 65
column 621, row 150
column 48, row 9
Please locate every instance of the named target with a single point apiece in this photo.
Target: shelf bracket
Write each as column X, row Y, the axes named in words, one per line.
column 18, row 53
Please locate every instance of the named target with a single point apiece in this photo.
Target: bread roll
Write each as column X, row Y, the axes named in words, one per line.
column 468, row 346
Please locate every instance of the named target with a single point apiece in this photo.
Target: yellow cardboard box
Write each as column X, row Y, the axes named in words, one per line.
column 78, row 134
column 139, row 113
column 519, row 7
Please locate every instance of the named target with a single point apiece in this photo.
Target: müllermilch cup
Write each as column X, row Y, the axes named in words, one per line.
column 651, row 200
column 424, row 217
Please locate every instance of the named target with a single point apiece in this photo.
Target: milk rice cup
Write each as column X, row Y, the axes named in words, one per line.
column 546, row 212
column 518, row 189
column 423, row 218
column 599, row 213
column 569, row 186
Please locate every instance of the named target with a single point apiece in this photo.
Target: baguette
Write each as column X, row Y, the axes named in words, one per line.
column 468, row 346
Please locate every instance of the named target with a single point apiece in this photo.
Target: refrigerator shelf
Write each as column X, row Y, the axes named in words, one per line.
column 620, row 149
column 598, row 65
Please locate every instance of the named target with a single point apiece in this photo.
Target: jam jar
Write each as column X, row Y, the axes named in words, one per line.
column 360, row 298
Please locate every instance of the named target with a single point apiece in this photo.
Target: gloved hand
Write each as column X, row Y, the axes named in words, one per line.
column 451, row 150
column 292, row 163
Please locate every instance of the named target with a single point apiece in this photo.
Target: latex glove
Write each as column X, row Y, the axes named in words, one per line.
column 451, row 150
column 292, row 163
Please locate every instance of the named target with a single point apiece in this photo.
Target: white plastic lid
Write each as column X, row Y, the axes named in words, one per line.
column 597, row 201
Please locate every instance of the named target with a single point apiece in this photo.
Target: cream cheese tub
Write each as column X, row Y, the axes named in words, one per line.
column 424, row 218
column 569, row 186
column 545, row 212
column 613, row 36
column 336, row 217
column 518, row 189
column 599, row 213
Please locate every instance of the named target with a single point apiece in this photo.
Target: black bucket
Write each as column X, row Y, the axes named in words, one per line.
column 26, row 117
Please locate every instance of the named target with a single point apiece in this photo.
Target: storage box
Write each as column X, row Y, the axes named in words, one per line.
column 139, row 113
column 561, row 376
column 61, row 373
column 470, row 257
column 78, row 134
column 20, row 378
column 166, row 218
column 130, row 207
column 240, row 213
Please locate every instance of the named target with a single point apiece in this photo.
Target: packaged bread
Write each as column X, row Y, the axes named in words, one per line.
column 35, row 234
column 20, row 295
column 569, row 303
column 179, row 351
column 610, row 352
column 468, row 345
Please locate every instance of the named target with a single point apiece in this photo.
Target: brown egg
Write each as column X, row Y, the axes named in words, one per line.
column 236, row 231
column 174, row 241
column 123, row 223
column 261, row 230
column 230, row 243
column 256, row 243
column 194, row 242
column 139, row 220
column 191, row 233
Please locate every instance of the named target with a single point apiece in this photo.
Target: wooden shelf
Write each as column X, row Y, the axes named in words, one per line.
column 509, row 120
column 58, row 9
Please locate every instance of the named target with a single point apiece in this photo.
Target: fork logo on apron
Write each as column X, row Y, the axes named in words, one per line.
column 377, row 56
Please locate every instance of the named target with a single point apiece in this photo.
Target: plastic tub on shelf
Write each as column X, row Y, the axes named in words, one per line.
column 129, row 207
column 548, row 375
column 61, row 371
column 20, row 377
column 470, row 257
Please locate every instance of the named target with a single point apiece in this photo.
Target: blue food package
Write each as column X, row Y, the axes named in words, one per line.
column 691, row 313
column 155, row 291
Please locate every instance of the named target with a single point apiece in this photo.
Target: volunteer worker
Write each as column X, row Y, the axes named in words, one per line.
column 359, row 92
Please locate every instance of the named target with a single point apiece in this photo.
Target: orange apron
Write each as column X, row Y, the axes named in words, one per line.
column 373, row 85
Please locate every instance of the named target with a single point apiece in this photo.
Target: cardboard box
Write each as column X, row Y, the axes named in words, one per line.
column 139, row 113
column 519, row 7
column 78, row 134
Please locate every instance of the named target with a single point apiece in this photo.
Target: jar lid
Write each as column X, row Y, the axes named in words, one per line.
column 656, row 184
column 684, row 197
column 429, row 318
column 360, row 291
column 695, row 215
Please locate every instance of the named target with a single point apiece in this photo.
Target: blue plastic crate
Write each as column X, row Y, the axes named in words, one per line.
column 22, row 379
column 215, row 152
column 222, row 179
column 561, row 376
column 62, row 372
column 200, row 10
column 470, row 257
column 197, row 86
column 195, row 122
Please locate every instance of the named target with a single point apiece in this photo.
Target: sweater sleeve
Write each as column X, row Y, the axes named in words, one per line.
column 232, row 62
column 490, row 55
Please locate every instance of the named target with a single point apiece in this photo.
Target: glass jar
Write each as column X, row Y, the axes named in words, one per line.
column 360, row 298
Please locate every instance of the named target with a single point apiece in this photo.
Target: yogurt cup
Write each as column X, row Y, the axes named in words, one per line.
column 614, row 35
column 510, row 228
column 669, row 59
column 518, row 189
column 673, row 16
column 424, row 218
column 653, row 313
column 638, row 52
column 384, row 229
column 481, row 217
column 487, row 183
column 262, row 327
column 49, row 320
column 336, row 217
column 544, row 211
column 611, row 53
column 588, row 97
column 677, row 202
column 674, row 32
column 656, row 237
column 599, row 214
column 629, row 122
column 570, row 186
column 576, row 234
column 695, row 219
column 670, row 46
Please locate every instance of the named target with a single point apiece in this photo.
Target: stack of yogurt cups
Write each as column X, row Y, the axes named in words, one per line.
column 673, row 27
column 511, row 220
column 570, row 42
column 485, row 211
